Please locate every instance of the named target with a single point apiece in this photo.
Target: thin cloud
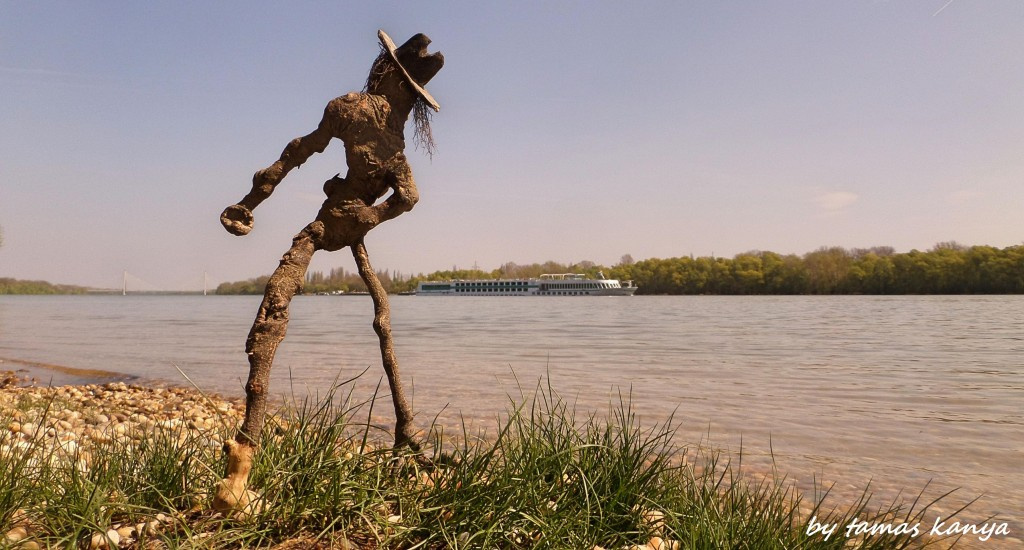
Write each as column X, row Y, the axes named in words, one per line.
column 22, row 71
column 835, row 201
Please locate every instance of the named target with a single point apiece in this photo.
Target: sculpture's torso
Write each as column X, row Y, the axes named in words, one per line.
column 374, row 152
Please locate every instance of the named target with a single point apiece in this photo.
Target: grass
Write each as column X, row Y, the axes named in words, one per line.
column 545, row 478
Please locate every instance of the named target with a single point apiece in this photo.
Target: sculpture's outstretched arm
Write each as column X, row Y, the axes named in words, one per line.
column 237, row 218
column 382, row 326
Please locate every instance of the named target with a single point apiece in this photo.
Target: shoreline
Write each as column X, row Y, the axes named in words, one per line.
column 60, row 375
column 81, row 415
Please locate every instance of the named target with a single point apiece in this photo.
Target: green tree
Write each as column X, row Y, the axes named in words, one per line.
column 827, row 268
column 784, row 274
column 748, row 273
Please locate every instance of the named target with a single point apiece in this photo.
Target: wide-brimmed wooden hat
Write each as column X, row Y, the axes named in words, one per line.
column 389, row 45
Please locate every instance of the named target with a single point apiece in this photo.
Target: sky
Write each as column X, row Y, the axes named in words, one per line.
column 568, row 131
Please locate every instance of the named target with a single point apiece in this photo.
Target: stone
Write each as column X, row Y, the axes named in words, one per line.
column 19, row 516
column 658, row 544
column 655, row 519
column 150, row 528
column 98, row 542
column 16, row 534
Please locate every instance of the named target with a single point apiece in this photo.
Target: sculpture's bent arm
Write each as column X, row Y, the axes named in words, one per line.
column 404, row 194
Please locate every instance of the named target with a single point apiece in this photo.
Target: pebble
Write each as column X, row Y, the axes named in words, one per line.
column 654, row 518
column 69, row 447
column 97, row 542
column 151, row 527
column 657, row 543
column 16, row 534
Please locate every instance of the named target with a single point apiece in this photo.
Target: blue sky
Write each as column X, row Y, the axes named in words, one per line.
column 568, row 131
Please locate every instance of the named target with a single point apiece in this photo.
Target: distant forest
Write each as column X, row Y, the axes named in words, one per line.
column 15, row 286
column 948, row 268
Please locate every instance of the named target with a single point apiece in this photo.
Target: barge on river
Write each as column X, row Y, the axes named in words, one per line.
column 552, row 284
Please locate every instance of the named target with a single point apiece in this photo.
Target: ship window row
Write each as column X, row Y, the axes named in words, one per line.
column 492, row 284
column 578, row 286
column 491, row 289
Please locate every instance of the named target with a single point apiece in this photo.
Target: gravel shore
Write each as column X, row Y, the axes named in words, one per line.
column 77, row 415
column 65, row 423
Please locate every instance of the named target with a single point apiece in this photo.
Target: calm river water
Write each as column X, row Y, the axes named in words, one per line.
column 896, row 390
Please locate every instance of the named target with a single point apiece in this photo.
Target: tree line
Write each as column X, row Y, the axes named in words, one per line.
column 17, row 286
column 948, row 268
column 318, row 282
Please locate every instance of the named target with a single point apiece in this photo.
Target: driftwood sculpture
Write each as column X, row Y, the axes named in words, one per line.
column 372, row 126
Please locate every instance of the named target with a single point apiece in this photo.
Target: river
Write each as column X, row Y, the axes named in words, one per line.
column 899, row 391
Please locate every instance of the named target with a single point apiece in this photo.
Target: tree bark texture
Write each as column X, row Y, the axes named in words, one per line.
column 404, row 434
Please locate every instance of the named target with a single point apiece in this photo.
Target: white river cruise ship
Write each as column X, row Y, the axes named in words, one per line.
column 556, row 284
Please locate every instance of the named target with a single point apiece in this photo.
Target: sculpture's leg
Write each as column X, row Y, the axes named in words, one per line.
column 269, row 329
column 382, row 326
column 233, row 496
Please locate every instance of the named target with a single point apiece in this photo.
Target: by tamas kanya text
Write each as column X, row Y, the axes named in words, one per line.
column 941, row 528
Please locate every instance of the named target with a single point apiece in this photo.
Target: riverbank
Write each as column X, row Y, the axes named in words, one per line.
column 896, row 391
column 126, row 466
